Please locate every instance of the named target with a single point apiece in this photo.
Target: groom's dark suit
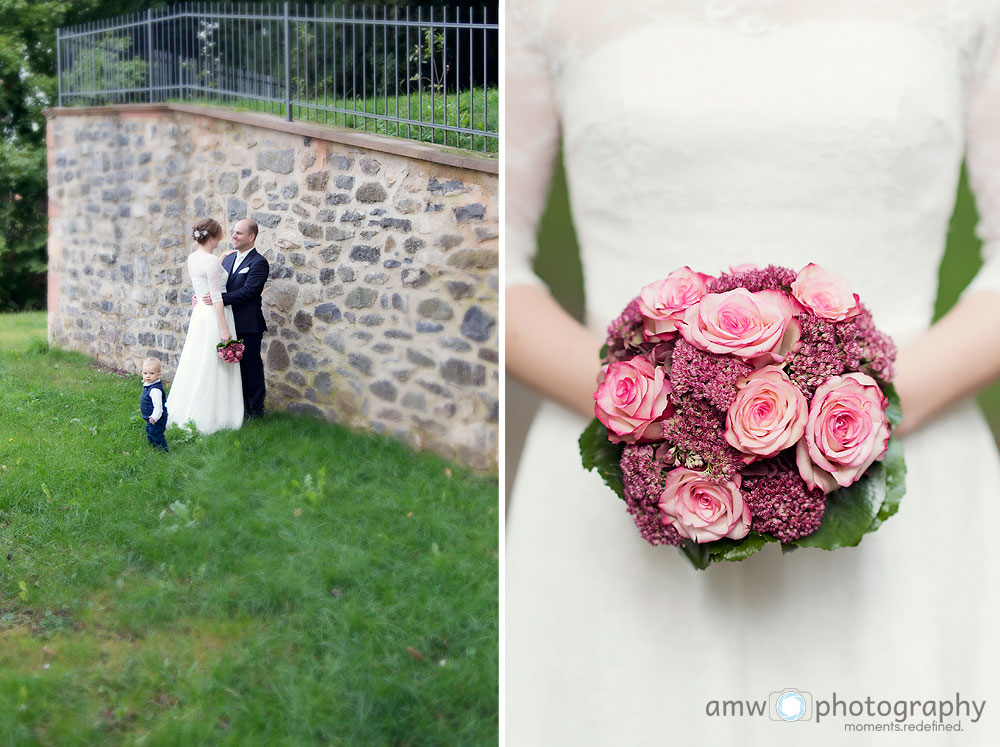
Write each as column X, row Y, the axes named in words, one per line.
column 242, row 293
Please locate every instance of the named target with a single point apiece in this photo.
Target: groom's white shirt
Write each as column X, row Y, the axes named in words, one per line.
column 240, row 256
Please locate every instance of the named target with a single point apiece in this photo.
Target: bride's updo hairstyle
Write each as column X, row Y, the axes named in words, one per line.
column 206, row 229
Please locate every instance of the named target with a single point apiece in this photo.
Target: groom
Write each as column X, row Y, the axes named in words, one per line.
column 248, row 271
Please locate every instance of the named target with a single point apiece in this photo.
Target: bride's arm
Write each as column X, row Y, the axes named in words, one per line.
column 544, row 346
column 549, row 350
column 956, row 357
column 216, row 282
column 225, row 335
column 960, row 354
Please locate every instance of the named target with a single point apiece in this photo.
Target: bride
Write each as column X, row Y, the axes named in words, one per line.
column 205, row 389
column 711, row 134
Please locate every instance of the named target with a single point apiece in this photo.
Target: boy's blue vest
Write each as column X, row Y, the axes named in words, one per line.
column 146, row 403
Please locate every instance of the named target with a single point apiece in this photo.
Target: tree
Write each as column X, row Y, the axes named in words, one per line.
column 27, row 85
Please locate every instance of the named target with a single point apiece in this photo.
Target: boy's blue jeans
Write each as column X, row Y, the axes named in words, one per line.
column 154, row 433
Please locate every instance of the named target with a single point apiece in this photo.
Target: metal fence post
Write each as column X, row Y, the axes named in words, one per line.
column 59, row 66
column 288, row 67
column 149, row 52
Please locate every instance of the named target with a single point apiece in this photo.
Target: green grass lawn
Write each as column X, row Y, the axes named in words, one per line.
column 290, row 583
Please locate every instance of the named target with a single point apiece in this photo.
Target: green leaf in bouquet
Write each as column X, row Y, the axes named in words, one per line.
column 735, row 550
column 597, row 452
column 895, row 482
column 860, row 508
column 850, row 512
column 699, row 555
column 894, row 412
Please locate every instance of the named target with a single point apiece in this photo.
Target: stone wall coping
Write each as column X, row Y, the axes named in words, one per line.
column 397, row 146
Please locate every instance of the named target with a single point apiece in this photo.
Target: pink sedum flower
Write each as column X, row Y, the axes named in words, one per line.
column 632, row 399
column 702, row 510
column 826, row 295
column 768, row 415
column 847, row 431
column 662, row 304
column 757, row 327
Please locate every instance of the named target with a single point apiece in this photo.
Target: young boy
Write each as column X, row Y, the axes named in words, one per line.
column 152, row 405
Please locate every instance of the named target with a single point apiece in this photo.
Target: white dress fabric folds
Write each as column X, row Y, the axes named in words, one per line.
column 711, row 134
column 206, row 390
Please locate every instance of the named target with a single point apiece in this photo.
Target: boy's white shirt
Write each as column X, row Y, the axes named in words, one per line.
column 157, row 396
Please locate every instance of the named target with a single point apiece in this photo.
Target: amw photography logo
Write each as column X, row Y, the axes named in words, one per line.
column 790, row 705
column 861, row 714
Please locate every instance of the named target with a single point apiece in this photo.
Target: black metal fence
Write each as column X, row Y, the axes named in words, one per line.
column 398, row 72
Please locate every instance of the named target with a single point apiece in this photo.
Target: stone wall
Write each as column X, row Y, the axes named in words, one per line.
column 383, row 294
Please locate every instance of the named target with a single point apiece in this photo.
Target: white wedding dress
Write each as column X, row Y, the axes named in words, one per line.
column 710, row 134
column 206, row 389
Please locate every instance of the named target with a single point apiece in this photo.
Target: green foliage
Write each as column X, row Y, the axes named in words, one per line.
column 850, row 512
column 107, row 63
column 309, row 490
column 428, row 57
column 27, row 86
column 27, row 67
column 599, row 453
column 470, row 108
column 23, row 230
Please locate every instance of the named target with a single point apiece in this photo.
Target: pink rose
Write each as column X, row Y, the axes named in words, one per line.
column 632, row 397
column 847, row 431
column 768, row 415
column 757, row 327
column 662, row 303
column 826, row 295
column 702, row 510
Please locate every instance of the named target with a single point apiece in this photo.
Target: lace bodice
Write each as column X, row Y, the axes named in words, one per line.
column 714, row 133
column 207, row 274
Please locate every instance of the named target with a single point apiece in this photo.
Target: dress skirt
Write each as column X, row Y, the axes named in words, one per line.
column 611, row 641
column 206, row 390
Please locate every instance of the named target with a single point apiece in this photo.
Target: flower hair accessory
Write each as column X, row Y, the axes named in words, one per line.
column 199, row 234
column 745, row 409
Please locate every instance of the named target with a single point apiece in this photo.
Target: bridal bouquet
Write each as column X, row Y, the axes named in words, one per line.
column 750, row 408
column 231, row 351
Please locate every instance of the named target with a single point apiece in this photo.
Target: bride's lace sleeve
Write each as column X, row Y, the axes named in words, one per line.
column 531, row 139
column 983, row 159
column 216, row 279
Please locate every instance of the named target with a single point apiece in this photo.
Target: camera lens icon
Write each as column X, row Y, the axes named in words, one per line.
column 790, row 705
